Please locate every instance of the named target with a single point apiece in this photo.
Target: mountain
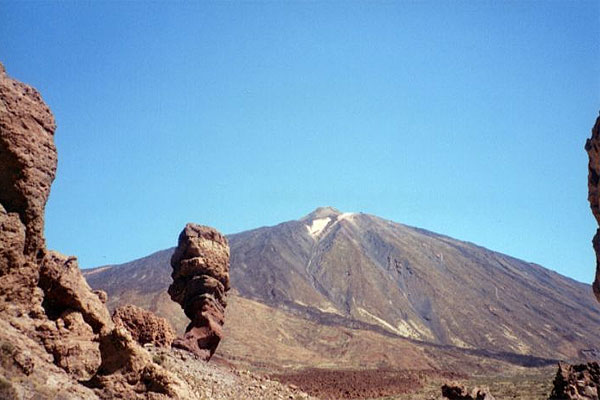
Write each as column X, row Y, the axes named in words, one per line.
column 360, row 273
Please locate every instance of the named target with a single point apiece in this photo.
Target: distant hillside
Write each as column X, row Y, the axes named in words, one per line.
column 358, row 271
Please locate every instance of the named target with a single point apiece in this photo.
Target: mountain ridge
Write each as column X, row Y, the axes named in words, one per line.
column 425, row 231
column 362, row 271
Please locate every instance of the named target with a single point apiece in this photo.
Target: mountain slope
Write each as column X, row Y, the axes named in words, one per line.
column 361, row 271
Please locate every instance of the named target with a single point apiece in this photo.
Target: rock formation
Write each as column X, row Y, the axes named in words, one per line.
column 460, row 392
column 592, row 146
column 144, row 326
column 56, row 336
column 200, row 282
column 28, row 157
column 576, row 382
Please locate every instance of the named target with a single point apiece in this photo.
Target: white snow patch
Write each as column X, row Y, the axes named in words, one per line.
column 346, row 216
column 317, row 226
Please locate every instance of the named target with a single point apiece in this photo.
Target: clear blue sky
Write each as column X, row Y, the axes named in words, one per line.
column 465, row 118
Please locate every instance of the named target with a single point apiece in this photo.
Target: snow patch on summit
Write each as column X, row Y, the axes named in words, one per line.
column 346, row 216
column 317, row 226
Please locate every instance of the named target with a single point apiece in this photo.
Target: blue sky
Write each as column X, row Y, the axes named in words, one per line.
column 465, row 118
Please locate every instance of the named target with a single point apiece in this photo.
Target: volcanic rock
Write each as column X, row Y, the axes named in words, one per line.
column 56, row 337
column 200, row 282
column 144, row 326
column 28, row 157
column 576, row 382
column 592, row 146
column 460, row 392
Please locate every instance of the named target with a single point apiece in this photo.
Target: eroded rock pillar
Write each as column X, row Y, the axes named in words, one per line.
column 200, row 282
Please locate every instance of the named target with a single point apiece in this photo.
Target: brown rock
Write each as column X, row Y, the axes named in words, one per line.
column 592, row 146
column 27, row 168
column 200, row 283
column 144, row 326
column 72, row 343
column 127, row 371
column 55, row 332
column 576, row 382
column 454, row 391
column 65, row 289
column 101, row 295
column 27, row 156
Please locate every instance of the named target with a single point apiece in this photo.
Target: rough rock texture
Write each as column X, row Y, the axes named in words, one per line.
column 460, row 392
column 56, row 337
column 592, row 146
column 144, row 326
column 200, row 282
column 576, row 382
column 27, row 156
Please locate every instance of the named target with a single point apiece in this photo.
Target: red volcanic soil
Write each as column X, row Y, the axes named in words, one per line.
column 341, row 384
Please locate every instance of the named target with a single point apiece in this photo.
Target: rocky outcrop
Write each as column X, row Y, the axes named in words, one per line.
column 57, row 339
column 592, row 146
column 576, row 382
column 27, row 156
column 144, row 326
column 459, row 392
column 200, row 282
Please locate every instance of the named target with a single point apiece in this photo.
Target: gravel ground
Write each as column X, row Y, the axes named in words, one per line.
column 215, row 381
